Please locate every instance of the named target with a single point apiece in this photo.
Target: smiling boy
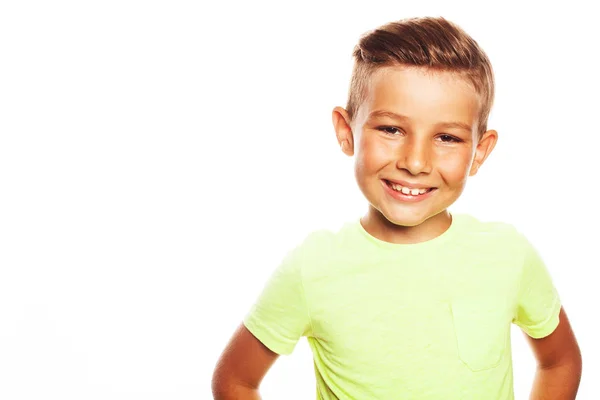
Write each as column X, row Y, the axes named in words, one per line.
column 411, row 301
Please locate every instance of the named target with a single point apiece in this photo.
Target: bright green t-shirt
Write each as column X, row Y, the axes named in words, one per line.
column 409, row 321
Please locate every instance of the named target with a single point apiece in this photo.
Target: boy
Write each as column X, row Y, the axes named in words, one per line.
column 410, row 301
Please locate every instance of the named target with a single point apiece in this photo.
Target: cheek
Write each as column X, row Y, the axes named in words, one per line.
column 372, row 154
column 455, row 168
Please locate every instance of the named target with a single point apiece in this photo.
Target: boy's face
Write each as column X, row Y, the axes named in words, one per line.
column 416, row 131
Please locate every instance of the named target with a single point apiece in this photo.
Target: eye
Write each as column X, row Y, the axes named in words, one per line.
column 449, row 138
column 390, row 130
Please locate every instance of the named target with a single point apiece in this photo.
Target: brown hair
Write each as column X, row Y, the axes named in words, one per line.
column 434, row 43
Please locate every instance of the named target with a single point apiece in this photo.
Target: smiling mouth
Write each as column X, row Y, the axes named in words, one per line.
column 408, row 191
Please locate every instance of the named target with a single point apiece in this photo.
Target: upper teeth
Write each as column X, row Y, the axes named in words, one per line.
column 406, row 190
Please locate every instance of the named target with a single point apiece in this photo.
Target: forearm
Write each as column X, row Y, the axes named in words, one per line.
column 556, row 383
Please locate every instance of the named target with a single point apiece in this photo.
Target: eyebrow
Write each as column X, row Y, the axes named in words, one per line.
column 400, row 117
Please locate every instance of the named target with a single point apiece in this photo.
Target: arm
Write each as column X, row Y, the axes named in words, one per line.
column 558, row 363
column 279, row 317
column 242, row 366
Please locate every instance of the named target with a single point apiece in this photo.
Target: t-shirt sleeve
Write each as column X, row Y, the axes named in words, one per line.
column 538, row 302
column 280, row 316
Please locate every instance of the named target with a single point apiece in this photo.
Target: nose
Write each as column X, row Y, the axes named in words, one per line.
column 415, row 156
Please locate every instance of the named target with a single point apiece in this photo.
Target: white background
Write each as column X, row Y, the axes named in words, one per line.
column 159, row 158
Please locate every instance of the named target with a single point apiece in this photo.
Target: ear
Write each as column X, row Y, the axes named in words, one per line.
column 484, row 147
column 343, row 131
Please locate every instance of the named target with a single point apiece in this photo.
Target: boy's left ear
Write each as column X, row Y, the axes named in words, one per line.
column 484, row 147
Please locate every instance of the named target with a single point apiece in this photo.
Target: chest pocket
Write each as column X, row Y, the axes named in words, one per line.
column 482, row 332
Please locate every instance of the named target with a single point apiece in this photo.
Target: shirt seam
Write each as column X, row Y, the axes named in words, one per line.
column 303, row 289
column 521, row 277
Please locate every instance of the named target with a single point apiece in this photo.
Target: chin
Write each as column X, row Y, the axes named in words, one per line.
column 404, row 219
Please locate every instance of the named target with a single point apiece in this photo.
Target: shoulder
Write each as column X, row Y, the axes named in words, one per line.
column 322, row 242
column 473, row 226
column 492, row 234
column 322, row 249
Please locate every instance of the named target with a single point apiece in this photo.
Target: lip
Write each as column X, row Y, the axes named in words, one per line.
column 406, row 197
column 408, row 184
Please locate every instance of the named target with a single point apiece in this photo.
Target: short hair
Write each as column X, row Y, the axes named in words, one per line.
column 433, row 43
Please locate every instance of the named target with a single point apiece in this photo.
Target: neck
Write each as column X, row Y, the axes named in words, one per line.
column 376, row 224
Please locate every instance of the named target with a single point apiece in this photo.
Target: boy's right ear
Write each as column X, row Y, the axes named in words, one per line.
column 343, row 131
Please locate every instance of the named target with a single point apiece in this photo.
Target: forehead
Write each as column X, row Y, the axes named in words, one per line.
column 423, row 95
